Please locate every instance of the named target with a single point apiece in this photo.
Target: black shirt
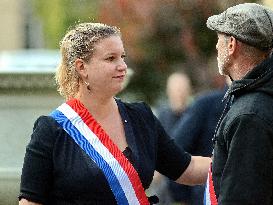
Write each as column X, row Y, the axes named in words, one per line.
column 57, row 171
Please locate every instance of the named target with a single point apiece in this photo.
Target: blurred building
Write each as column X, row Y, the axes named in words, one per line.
column 27, row 90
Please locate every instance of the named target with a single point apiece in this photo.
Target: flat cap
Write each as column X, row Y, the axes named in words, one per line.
column 250, row 23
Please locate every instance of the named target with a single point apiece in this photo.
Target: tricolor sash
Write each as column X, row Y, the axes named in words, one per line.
column 123, row 179
column 209, row 194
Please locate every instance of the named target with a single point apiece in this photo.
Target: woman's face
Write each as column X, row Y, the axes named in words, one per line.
column 107, row 69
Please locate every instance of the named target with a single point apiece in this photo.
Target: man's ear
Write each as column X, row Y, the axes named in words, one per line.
column 80, row 68
column 232, row 45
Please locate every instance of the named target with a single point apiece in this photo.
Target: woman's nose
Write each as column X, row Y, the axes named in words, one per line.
column 122, row 65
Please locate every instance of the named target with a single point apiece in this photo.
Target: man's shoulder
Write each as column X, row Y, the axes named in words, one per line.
column 255, row 104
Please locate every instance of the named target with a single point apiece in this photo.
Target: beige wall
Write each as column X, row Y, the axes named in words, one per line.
column 12, row 24
column 268, row 3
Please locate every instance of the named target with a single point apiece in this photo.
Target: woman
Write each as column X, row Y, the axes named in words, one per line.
column 96, row 149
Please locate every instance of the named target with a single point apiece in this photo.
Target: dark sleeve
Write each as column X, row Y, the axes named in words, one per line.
column 36, row 178
column 190, row 126
column 248, row 175
column 171, row 160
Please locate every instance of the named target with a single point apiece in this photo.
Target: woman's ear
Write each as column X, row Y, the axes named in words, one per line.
column 80, row 68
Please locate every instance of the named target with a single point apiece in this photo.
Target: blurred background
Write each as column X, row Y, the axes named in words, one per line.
column 160, row 37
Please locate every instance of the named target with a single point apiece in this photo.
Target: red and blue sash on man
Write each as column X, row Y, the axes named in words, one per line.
column 122, row 177
column 209, row 194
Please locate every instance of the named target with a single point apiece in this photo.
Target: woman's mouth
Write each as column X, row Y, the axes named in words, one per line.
column 120, row 77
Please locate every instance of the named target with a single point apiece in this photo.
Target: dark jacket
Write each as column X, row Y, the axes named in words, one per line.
column 243, row 154
column 169, row 118
column 194, row 132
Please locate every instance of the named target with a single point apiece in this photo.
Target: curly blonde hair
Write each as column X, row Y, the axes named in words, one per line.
column 78, row 43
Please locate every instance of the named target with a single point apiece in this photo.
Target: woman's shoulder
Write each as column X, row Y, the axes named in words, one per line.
column 139, row 106
column 45, row 121
column 45, row 128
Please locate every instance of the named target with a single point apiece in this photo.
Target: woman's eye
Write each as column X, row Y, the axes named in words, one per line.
column 110, row 58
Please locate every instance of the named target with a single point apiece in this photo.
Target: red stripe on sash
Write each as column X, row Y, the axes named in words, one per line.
column 96, row 128
column 211, row 189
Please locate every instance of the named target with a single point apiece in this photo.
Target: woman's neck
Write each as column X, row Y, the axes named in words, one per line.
column 98, row 106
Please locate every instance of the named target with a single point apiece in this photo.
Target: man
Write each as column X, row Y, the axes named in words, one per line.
column 243, row 154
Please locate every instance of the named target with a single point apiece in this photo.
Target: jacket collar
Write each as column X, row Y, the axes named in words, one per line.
column 260, row 78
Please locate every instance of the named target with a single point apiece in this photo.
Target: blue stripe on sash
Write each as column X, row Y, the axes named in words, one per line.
column 93, row 154
column 205, row 196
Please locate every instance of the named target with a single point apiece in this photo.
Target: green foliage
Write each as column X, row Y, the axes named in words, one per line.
column 58, row 15
column 178, row 38
column 160, row 36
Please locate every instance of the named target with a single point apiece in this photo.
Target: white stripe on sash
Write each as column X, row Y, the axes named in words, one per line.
column 120, row 174
column 209, row 194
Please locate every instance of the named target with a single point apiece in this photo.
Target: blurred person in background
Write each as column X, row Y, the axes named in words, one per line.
column 95, row 148
column 194, row 133
column 178, row 92
column 242, row 168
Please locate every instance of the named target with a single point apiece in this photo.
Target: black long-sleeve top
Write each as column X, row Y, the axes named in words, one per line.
column 57, row 171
